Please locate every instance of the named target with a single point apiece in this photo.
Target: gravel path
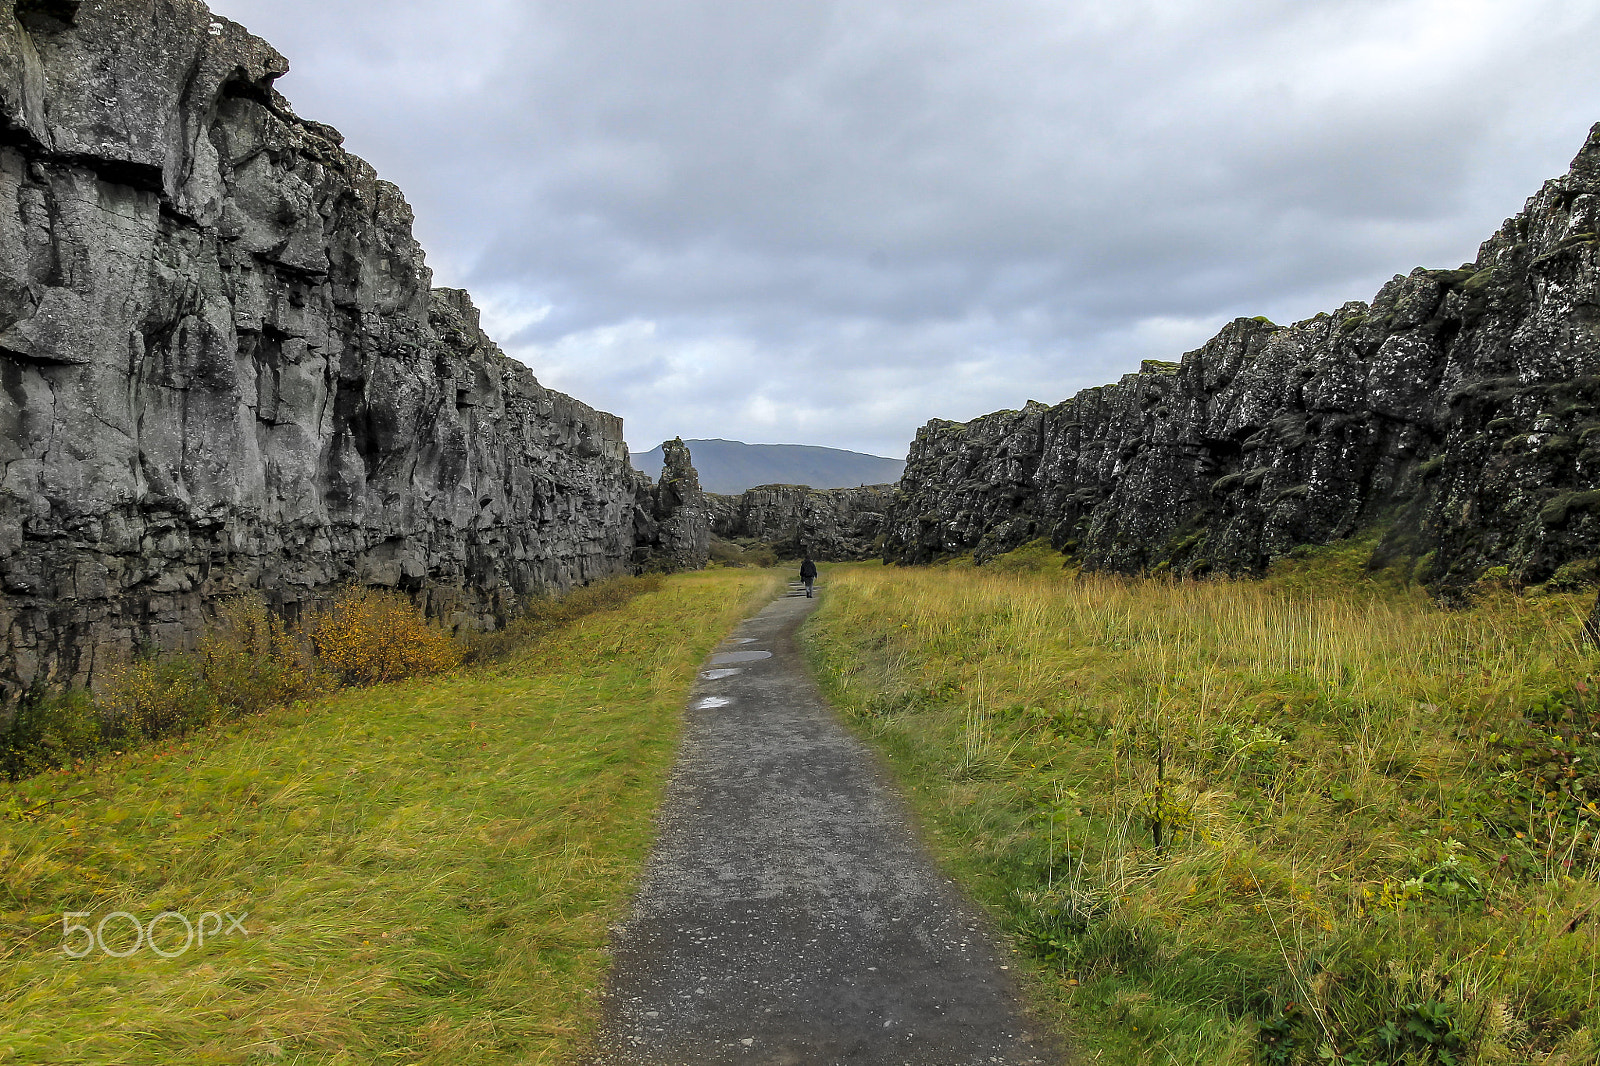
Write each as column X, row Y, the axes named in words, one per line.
column 789, row 914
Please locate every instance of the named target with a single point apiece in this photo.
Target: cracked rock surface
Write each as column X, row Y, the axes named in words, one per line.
column 672, row 523
column 789, row 914
column 1461, row 408
column 832, row 524
column 223, row 366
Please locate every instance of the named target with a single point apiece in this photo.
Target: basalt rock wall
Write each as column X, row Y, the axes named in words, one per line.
column 672, row 520
column 224, row 368
column 1460, row 409
column 832, row 524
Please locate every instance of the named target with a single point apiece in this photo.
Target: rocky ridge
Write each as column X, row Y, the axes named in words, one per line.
column 729, row 467
column 832, row 524
column 224, row 368
column 672, row 522
column 1460, row 409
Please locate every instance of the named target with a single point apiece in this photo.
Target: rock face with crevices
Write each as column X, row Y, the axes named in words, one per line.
column 224, row 368
column 1460, row 409
column 831, row 524
column 672, row 524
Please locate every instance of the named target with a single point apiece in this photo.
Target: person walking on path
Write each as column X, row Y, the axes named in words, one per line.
column 808, row 573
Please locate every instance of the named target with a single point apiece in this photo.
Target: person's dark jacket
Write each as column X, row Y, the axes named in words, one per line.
column 808, row 570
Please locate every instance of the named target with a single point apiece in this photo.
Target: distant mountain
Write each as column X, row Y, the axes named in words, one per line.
column 730, row 466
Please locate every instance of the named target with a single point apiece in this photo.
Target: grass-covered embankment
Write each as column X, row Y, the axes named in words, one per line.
column 428, row 868
column 1300, row 820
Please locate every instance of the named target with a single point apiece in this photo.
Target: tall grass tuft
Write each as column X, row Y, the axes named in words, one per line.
column 1299, row 820
column 540, row 616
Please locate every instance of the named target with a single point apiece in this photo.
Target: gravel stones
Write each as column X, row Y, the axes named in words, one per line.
column 789, row 913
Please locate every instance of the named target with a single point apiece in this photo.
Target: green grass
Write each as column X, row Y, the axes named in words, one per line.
column 1376, row 817
column 429, row 869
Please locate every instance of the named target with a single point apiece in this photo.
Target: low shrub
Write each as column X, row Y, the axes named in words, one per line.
column 48, row 730
column 247, row 662
column 253, row 661
column 368, row 637
column 155, row 696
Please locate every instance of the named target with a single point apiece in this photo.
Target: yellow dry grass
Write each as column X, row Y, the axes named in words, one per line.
column 429, row 869
column 1243, row 819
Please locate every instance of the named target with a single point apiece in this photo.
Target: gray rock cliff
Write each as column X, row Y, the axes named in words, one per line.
column 672, row 520
column 224, row 368
column 832, row 524
column 1460, row 409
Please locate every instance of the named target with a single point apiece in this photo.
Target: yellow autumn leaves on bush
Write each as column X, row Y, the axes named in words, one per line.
column 250, row 660
column 367, row 637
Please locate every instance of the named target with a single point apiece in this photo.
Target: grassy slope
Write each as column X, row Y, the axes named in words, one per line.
column 429, row 868
column 1338, row 884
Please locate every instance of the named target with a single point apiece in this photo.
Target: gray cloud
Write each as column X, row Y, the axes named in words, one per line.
column 826, row 222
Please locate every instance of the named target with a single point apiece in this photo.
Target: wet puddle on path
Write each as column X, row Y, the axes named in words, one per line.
column 712, row 702
column 740, row 656
column 717, row 675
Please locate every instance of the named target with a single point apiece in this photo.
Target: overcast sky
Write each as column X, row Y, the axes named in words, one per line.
column 828, row 221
